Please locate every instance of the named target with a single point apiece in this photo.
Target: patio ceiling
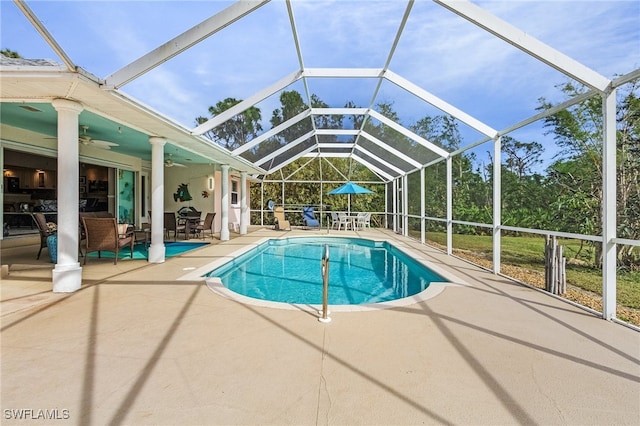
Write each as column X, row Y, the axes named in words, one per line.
column 114, row 116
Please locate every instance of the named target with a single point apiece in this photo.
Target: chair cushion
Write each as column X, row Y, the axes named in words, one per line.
column 122, row 229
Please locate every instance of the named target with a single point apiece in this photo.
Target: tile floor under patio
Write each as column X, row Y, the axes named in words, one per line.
column 137, row 346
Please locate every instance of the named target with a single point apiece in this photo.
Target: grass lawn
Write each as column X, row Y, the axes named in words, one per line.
column 528, row 253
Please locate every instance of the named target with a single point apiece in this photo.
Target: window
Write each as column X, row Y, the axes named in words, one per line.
column 234, row 192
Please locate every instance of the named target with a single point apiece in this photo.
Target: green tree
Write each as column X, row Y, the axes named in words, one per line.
column 578, row 172
column 10, row 53
column 521, row 157
column 236, row 131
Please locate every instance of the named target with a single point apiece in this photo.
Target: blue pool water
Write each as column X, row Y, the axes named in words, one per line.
column 360, row 271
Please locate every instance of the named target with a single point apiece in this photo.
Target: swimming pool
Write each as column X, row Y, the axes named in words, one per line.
column 361, row 271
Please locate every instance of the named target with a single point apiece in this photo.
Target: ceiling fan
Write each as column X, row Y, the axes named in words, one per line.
column 85, row 139
column 170, row 163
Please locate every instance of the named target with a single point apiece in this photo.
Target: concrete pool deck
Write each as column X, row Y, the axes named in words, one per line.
column 138, row 346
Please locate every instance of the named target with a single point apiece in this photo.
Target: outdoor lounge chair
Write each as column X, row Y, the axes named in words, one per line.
column 104, row 234
column 309, row 218
column 281, row 223
column 43, row 229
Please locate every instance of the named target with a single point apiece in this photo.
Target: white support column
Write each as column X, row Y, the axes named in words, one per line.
column 497, row 203
column 449, row 222
column 67, row 274
column 423, row 230
column 157, row 248
column 261, row 203
column 609, row 206
column 243, row 203
column 405, row 205
column 386, row 205
column 224, row 201
column 395, row 205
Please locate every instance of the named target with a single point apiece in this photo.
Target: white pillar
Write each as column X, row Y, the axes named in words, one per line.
column 609, row 206
column 405, row 205
column 423, row 230
column 497, row 203
column 67, row 274
column 395, row 205
column 449, row 168
column 224, row 201
column 157, row 248
column 244, row 219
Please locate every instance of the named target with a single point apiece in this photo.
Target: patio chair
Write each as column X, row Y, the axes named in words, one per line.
column 205, row 226
column 344, row 220
column 82, row 234
column 43, row 229
column 281, row 222
column 104, row 234
column 309, row 218
column 335, row 221
column 363, row 220
column 175, row 225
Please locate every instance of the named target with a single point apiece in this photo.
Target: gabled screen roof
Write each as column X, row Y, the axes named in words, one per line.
column 482, row 64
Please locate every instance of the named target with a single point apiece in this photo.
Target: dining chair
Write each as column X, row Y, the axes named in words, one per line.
column 43, row 230
column 175, row 225
column 205, row 225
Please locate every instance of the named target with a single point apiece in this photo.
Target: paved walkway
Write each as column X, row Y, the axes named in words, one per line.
column 138, row 346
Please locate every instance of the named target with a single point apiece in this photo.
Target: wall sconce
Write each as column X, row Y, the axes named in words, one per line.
column 210, row 183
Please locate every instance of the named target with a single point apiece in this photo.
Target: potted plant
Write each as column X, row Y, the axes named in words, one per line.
column 52, row 241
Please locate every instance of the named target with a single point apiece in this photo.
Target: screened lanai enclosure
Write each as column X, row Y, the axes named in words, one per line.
column 499, row 132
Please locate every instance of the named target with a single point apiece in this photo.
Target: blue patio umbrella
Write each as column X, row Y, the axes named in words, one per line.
column 350, row 188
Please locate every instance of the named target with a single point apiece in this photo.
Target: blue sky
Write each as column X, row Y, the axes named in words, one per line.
column 442, row 53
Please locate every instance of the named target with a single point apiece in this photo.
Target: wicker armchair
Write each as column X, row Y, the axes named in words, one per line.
column 204, row 226
column 103, row 235
column 175, row 225
column 43, row 229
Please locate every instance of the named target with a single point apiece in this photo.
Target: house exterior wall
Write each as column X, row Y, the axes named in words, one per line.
column 196, row 179
column 234, row 202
